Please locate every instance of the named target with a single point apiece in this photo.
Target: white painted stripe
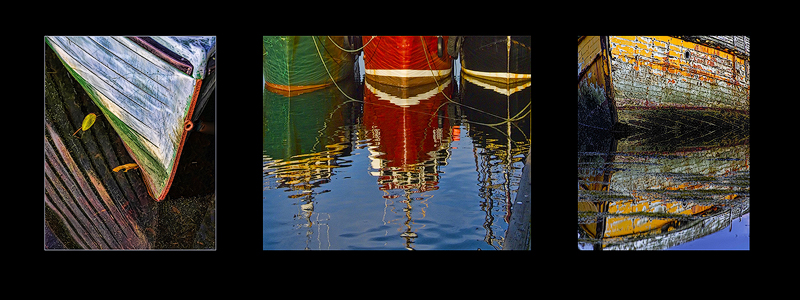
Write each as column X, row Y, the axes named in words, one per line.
column 496, row 74
column 411, row 101
column 499, row 89
column 407, row 72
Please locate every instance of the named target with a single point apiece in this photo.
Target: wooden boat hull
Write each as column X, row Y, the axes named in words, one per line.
column 146, row 88
column 596, row 107
column 487, row 102
column 405, row 61
column 505, row 59
column 683, row 72
column 293, row 63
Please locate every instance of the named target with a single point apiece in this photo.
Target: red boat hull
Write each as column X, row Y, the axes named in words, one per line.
column 405, row 61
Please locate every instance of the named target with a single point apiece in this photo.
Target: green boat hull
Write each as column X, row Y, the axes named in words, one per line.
column 293, row 62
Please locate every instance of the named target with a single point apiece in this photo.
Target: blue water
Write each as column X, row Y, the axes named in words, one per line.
column 734, row 237
column 333, row 177
column 354, row 214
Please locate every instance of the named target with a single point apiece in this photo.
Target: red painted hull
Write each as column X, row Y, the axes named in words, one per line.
column 405, row 60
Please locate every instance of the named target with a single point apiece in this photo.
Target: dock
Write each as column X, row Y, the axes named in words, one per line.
column 87, row 205
column 518, row 235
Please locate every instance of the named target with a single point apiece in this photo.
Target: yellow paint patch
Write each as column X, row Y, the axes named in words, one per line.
column 624, row 40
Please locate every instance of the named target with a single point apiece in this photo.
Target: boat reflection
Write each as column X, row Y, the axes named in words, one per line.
column 304, row 137
column 409, row 130
column 657, row 189
column 497, row 118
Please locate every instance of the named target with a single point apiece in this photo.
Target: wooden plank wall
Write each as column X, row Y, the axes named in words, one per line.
column 88, row 205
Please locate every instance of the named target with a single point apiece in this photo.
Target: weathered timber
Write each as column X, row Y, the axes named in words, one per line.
column 87, row 205
column 518, row 235
column 659, row 71
column 596, row 107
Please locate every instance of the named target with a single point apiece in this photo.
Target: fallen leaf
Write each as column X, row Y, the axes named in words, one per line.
column 88, row 121
column 126, row 167
column 731, row 196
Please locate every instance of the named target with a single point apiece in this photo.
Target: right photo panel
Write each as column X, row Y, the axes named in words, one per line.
column 663, row 143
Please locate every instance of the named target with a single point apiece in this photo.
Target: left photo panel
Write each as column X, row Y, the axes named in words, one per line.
column 129, row 142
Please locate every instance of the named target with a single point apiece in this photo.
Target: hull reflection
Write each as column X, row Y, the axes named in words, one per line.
column 652, row 190
column 408, row 129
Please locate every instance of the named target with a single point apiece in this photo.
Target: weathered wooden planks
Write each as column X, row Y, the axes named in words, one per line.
column 95, row 207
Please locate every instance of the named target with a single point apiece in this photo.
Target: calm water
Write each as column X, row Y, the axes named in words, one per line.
column 396, row 169
column 681, row 187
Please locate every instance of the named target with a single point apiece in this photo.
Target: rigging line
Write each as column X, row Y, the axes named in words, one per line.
column 433, row 74
column 336, row 60
column 377, row 46
column 329, row 73
column 351, row 51
column 508, row 64
column 425, row 50
column 440, row 90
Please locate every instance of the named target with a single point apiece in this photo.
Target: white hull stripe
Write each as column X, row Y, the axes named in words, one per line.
column 411, row 101
column 496, row 74
column 499, row 89
column 406, row 72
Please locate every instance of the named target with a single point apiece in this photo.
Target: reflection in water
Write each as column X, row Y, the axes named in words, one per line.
column 303, row 137
column 406, row 127
column 500, row 146
column 402, row 169
column 679, row 176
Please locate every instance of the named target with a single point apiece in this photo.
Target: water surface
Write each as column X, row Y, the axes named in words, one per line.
column 678, row 180
column 395, row 169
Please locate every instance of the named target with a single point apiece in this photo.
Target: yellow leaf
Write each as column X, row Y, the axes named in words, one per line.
column 731, row 196
column 88, row 121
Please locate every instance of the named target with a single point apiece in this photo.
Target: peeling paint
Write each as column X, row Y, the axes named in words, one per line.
column 666, row 71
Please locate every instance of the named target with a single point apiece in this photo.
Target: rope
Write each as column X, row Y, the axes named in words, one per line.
column 517, row 117
column 507, row 120
column 329, row 72
column 351, row 51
